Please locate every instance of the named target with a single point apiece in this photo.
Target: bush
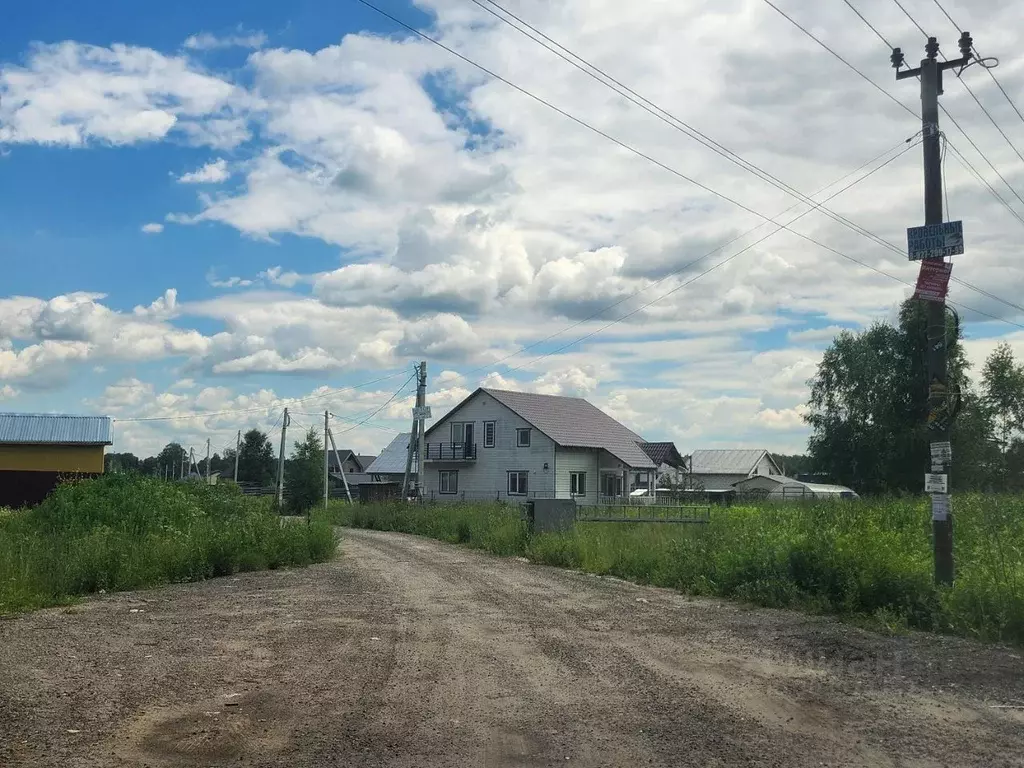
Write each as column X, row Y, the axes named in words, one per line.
column 866, row 559
column 127, row 531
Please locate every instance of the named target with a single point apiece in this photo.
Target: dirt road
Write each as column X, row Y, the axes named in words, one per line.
column 407, row 652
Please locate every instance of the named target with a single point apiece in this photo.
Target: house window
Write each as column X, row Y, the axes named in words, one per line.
column 448, row 481
column 489, row 434
column 458, row 433
column 518, row 483
column 577, row 483
column 523, row 437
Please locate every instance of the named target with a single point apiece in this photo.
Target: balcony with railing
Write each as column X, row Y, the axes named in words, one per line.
column 450, row 452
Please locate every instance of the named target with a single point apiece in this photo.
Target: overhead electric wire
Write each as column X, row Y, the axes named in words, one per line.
column 980, row 57
column 779, row 228
column 912, row 19
column 976, row 101
column 831, row 50
column 667, row 117
column 381, row 408
column 869, row 24
column 257, row 409
column 892, row 98
column 686, row 266
column 625, row 91
column 628, row 147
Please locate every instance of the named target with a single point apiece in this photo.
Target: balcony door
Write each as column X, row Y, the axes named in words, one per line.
column 462, row 440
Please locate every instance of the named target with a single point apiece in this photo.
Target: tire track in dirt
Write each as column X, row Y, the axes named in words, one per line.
column 409, row 652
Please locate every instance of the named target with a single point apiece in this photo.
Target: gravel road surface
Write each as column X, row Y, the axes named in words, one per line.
column 408, row 652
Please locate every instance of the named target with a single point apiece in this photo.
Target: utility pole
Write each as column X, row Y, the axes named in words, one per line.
column 341, row 467
column 207, row 461
column 413, row 441
column 238, row 447
column 327, row 460
column 280, row 463
column 940, row 414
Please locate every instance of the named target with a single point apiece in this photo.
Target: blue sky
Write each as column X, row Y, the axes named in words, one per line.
column 225, row 207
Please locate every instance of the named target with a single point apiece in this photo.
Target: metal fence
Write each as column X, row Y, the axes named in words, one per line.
column 644, row 513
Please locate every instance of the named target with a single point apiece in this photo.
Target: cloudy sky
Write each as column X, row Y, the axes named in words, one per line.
column 212, row 210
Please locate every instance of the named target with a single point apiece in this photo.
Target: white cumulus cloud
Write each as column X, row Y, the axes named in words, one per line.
column 213, row 172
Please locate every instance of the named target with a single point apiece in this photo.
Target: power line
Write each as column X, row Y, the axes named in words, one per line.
column 628, row 147
column 987, row 69
column 869, row 25
column 828, row 48
column 888, row 95
column 973, row 96
column 381, row 408
column 625, row 91
column 268, row 406
column 779, row 227
column 671, row 120
column 683, row 268
column 907, row 14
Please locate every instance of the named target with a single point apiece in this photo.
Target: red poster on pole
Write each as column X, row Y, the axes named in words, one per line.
column 933, row 280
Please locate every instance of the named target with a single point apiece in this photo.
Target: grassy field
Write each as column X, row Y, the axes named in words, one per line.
column 125, row 531
column 869, row 559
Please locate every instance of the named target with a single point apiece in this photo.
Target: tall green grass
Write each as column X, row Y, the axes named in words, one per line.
column 122, row 532
column 870, row 558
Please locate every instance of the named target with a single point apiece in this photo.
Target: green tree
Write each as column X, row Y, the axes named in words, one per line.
column 120, row 462
column 304, row 475
column 256, row 462
column 869, row 400
column 1002, row 380
column 793, row 465
column 171, row 457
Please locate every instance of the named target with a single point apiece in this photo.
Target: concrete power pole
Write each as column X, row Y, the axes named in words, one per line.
column 341, row 467
column 327, row 459
column 421, row 399
column 207, row 461
column 940, row 414
column 238, row 448
column 280, row 463
column 416, row 439
column 410, row 450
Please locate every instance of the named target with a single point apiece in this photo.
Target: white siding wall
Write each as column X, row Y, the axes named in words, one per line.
column 577, row 460
column 716, row 482
column 765, row 467
column 487, row 477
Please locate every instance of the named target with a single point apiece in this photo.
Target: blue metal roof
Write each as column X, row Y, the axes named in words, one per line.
column 55, row 428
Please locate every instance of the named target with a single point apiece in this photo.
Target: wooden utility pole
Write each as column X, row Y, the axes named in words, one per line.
column 238, row 448
column 940, row 413
column 280, row 463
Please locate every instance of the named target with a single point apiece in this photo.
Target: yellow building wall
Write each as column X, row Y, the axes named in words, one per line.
column 52, row 458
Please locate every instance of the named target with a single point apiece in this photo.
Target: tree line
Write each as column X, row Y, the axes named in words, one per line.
column 869, row 402
column 257, row 465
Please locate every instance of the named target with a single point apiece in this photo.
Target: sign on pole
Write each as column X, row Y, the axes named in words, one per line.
column 421, row 412
column 935, row 241
column 942, row 451
column 935, row 483
column 940, row 506
column 933, row 280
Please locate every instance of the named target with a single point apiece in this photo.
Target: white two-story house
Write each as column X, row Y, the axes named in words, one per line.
column 508, row 446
